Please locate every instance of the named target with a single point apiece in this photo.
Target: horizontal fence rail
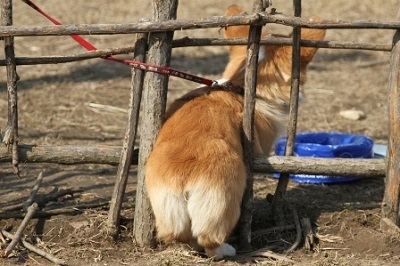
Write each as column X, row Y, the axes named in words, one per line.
column 203, row 23
column 103, row 154
column 187, row 42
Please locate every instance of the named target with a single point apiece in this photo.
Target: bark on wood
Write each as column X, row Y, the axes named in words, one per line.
column 11, row 132
column 34, row 191
column 154, row 103
column 280, row 191
column 70, row 58
column 18, row 234
column 271, row 40
column 66, row 154
column 248, row 130
column 130, row 136
column 102, row 154
column 187, row 42
column 391, row 201
column 209, row 22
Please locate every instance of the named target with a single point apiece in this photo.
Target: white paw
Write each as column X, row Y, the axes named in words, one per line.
column 221, row 252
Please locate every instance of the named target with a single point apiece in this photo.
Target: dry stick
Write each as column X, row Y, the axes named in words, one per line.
column 67, row 154
column 41, row 201
column 35, row 249
column 70, row 58
column 11, row 134
column 201, row 23
column 248, row 130
column 265, row 252
column 298, row 231
column 187, row 42
column 66, row 211
column 106, row 108
column 277, row 204
column 103, row 154
column 18, row 234
column 154, row 103
column 272, row 40
column 34, row 191
column 308, row 233
column 130, row 136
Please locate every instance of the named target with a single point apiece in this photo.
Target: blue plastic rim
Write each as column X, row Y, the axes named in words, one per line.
column 327, row 145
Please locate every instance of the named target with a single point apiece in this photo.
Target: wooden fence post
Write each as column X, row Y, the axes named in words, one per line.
column 391, row 200
column 154, row 103
column 250, row 85
column 291, row 132
column 11, row 132
column 130, row 136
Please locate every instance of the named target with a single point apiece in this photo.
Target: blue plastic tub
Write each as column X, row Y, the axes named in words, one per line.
column 327, row 145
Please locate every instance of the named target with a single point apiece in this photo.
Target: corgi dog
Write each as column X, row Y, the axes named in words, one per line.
column 195, row 175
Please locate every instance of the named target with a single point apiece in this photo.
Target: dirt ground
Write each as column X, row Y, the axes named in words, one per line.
column 54, row 108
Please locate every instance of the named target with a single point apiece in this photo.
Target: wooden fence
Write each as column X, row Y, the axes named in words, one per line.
column 161, row 27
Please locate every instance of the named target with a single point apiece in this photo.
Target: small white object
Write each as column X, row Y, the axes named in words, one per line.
column 380, row 149
column 221, row 252
column 353, row 114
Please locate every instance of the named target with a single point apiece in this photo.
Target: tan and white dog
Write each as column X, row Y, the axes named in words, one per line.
column 195, row 175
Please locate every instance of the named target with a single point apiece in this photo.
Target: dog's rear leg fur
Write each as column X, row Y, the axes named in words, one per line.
column 215, row 210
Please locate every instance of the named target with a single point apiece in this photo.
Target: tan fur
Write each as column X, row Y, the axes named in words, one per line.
column 195, row 175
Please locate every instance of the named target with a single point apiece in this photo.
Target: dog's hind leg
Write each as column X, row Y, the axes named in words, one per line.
column 172, row 218
column 214, row 212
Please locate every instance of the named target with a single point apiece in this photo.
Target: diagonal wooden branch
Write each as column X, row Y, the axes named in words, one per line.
column 18, row 234
column 34, row 191
column 130, row 136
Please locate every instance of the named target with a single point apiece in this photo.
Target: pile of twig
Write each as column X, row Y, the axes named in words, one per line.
column 32, row 208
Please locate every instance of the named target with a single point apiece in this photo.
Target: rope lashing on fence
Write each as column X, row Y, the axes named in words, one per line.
column 164, row 70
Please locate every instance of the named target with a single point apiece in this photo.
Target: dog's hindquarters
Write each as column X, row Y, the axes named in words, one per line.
column 195, row 175
column 204, row 210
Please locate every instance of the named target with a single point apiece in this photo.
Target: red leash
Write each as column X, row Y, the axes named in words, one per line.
column 164, row 70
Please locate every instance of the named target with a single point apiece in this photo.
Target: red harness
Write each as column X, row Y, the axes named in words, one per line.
column 164, row 70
